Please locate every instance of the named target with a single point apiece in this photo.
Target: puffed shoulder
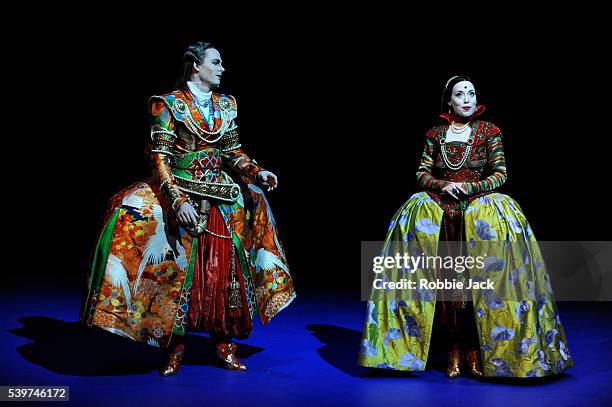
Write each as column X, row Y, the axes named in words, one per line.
column 431, row 133
column 490, row 129
column 233, row 100
column 160, row 112
column 226, row 101
column 157, row 104
column 168, row 99
column 173, row 102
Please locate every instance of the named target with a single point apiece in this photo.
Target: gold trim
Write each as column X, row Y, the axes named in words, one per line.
column 222, row 192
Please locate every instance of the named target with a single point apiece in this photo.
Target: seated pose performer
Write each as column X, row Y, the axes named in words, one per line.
column 510, row 330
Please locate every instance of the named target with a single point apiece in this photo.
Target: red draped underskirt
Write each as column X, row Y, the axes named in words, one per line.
column 209, row 310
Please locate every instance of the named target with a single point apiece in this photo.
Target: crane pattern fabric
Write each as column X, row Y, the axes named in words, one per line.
column 140, row 280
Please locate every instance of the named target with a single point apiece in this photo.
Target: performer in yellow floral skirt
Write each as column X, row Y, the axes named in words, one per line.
column 195, row 247
column 512, row 330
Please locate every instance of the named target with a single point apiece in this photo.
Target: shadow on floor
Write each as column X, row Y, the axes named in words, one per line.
column 340, row 349
column 69, row 348
column 341, row 346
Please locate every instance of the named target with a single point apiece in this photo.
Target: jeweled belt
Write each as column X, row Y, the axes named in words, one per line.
column 227, row 192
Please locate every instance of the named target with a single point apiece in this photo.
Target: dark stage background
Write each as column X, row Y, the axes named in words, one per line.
column 338, row 114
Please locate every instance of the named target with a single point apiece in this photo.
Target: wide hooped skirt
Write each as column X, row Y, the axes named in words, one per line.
column 519, row 328
column 150, row 279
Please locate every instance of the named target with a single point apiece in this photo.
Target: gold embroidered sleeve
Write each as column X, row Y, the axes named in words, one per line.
column 235, row 157
column 161, row 147
column 496, row 165
column 425, row 177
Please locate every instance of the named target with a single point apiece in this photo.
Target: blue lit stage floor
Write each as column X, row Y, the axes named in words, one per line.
column 305, row 357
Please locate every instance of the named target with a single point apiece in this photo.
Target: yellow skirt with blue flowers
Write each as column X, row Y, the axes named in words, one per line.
column 518, row 325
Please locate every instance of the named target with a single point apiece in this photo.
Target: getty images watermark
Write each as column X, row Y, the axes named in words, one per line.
column 410, row 263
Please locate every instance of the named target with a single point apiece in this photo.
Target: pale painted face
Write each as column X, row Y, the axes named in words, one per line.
column 210, row 71
column 463, row 99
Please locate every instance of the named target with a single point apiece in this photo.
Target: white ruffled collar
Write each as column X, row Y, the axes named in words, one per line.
column 199, row 94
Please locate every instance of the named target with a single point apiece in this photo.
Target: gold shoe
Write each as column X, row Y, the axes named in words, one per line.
column 174, row 361
column 453, row 370
column 227, row 359
column 473, row 360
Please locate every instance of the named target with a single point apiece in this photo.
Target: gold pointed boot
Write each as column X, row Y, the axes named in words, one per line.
column 453, row 370
column 474, row 365
column 226, row 357
column 171, row 367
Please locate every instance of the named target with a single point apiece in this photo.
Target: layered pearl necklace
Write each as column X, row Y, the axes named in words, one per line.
column 458, row 130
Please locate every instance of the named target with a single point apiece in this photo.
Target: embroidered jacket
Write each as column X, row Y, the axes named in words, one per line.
column 188, row 154
column 482, row 172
